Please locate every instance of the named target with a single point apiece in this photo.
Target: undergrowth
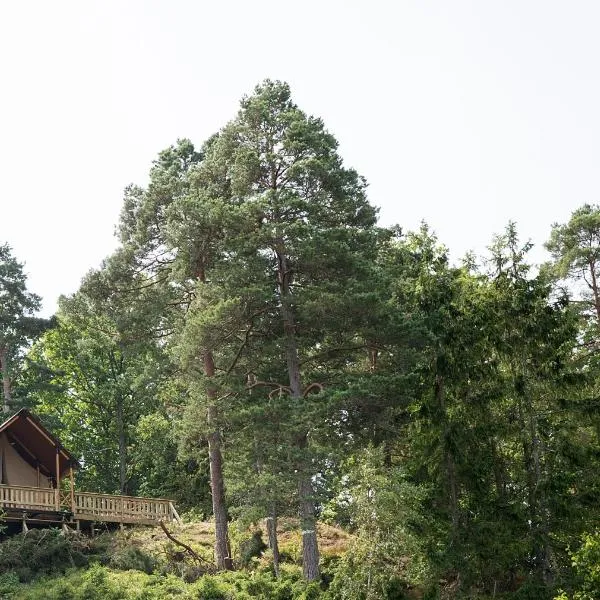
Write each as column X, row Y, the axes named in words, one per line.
column 101, row 583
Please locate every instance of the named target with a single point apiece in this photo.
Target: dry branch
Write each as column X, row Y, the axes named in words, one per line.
column 189, row 550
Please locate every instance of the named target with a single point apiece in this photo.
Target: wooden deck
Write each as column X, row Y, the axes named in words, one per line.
column 57, row 505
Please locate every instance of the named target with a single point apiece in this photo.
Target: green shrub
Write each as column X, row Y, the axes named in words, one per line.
column 97, row 586
column 50, row 551
column 586, row 562
column 209, row 588
column 92, row 584
column 251, row 547
column 42, row 551
column 132, row 558
column 532, row 590
column 99, row 582
column 9, row 584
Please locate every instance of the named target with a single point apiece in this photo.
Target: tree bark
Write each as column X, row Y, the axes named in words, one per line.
column 6, row 382
column 532, row 456
column 308, row 522
column 595, row 290
column 450, row 465
column 271, row 523
column 122, row 441
column 499, row 475
column 223, row 559
column 222, row 550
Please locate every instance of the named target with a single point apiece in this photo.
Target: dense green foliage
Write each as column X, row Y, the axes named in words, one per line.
column 257, row 331
column 18, row 324
column 100, row 583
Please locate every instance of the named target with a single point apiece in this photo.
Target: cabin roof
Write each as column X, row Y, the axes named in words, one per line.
column 37, row 445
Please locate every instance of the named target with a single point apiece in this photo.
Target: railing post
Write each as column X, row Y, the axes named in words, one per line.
column 57, row 495
column 72, row 489
column 174, row 515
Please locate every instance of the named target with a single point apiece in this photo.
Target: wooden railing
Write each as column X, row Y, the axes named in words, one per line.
column 19, row 496
column 122, row 509
column 88, row 506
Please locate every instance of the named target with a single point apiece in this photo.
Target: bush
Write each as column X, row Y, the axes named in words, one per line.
column 586, row 561
column 49, row 551
column 101, row 583
column 251, row 547
column 42, row 551
column 93, row 584
column 532, row 590
column 132, row 558
column 210, row 588
column 9, row 584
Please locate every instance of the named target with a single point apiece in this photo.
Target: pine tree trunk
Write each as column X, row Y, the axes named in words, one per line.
column 450, row 465
column 273, row 543
column 222, row 555
column 499, row 475
column 595, row 290
column 223, row 558
column 122, row 441
column 6, row 382
column 308, row 522
column 532, row 456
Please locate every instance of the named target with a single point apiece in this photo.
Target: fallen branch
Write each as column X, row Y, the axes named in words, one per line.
column 190, row 551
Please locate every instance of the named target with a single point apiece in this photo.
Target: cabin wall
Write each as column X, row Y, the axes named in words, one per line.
column 16, row 471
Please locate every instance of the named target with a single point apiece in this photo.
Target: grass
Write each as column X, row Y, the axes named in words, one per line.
column 333, row 542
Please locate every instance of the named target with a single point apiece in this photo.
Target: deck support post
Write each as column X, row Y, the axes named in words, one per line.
column 57, row 496
column 25, row 528
column 72, row 489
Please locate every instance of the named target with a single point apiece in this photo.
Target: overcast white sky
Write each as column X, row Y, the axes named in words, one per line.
column 462, row 113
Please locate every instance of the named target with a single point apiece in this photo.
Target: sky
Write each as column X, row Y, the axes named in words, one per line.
column 465, row 114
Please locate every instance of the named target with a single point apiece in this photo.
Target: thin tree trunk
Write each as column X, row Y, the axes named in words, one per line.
column 6, row 382
column 308, row 522
column 532, row 455
column 273, row 543
column 215, row 458
column 499, row 476
column 453, row 491
column 122, row 440
column 450, row 465
column 595, row 290
column 222, row 549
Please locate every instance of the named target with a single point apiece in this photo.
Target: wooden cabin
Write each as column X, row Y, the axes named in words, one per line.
column 37, row 484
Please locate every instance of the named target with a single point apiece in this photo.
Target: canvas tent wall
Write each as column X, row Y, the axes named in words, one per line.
column 15, row 470
column 26, row 448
